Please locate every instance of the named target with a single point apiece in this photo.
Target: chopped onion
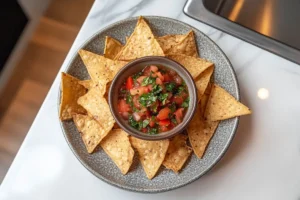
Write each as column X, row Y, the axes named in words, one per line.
column 136, row 116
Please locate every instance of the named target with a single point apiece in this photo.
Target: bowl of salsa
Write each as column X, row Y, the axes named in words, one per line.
column 153, row 98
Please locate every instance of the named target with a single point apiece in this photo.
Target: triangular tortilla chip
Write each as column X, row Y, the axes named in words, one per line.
column 151, row 154
column 221, row 105
column 88, row 84
column 71, row 90
column 200, row 132
column 177, row 154
column 194, row 65
column 141, row 43
column 91, row 131
column 204, row 99
column 202, row 81
column 179, row 44
column 102, row 70
column 116, row 144
column 98, row 107
column 112, row 47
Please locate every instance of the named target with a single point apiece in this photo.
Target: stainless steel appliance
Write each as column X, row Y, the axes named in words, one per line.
column 273, row 25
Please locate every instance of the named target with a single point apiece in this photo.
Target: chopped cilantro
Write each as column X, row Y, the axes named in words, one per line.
column 123, row 91
column 137, row 75
column 185, row 104
column 148, row 81
column 129, row 100
column 174, row 121
column 163, row 98
column 173, row 107
column 145, row 123
column 170, row 86
column 180, row 89
column 152, row 131
column 135, row 124
column 147, row 99
column 156, row 89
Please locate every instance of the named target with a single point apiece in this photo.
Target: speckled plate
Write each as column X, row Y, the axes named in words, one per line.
column 100, row 164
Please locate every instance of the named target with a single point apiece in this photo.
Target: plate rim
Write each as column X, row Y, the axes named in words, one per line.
column 142, row 190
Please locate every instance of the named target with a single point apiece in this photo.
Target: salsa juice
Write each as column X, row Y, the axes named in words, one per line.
column 153, row 100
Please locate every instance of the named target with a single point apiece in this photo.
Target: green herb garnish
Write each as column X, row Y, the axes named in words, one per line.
column 135, row 124
column 156, row 89
column 170, row 86
column 152, row 131
column 174, row 121
column 147, row 99
column 172, row 107
column 180, row 89
column 148, row 81
column 185, row 104
column 145, row 123
column 129, row 100
column 163, row 98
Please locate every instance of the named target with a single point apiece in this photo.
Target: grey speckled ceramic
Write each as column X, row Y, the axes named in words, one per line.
column 100, row 164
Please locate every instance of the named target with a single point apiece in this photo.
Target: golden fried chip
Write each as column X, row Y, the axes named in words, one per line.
column 204, row 99
column 151, row 154
column 141, row 43
column 202, row 81
column 90, row 130
column 200, row 132
column 116, row 144
column 98, row 107
column 112, row 47
column 71, row 90
column 179, row 44
column 194, row 65
column 221, row 105
column 88, row 84
column 177, row 154
column 102, row 70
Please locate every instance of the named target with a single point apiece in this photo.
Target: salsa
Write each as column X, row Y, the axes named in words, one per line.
column 153, row 100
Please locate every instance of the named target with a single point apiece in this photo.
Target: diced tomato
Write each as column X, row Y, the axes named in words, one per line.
column 147, row 113
column 136, row 102
column 178, row 99
column 129, row 83
column 152, row 122
column 144, row 130
column 139, row 90
column 150, row 87
column 140, row 79
column 158, row 81
column 147, row 71
column 165, row 122
column 153, row 68
column 163, row 113
column 160, row 76
column 123, row 106
column 163, row 128
column 178, row 80
column 179, row 114
column 167, row 78
column 172, row 72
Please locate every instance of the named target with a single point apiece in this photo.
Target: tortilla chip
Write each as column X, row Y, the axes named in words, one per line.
column 200, row 132
column 179, row 44
column 204, row 99
column 202, row 81
column 98, row 107
column 112, row 47
column 116, row 144
column 90, row 130
column 141, row 43
column 88, row 84
column 102, row 70
column 194, row 65
column 71, row 90
column 221, row 105
column 151, row 154
column 177, row 154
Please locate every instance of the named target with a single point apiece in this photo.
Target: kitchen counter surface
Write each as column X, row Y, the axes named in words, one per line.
column 263, row 161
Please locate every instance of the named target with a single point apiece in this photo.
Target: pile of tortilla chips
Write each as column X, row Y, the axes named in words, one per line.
column 85, row 101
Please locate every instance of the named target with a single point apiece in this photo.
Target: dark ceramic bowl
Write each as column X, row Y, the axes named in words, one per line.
column 137, row 66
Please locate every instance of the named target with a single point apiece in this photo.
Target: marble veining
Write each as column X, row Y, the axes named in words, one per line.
column 262, row 162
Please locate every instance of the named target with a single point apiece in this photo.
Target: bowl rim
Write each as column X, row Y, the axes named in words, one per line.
column 187, row 118
column 145, row 190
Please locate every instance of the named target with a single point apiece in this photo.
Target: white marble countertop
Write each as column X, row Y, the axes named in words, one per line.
column 263, row 161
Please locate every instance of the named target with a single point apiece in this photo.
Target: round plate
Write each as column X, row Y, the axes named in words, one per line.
column 102, row 166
